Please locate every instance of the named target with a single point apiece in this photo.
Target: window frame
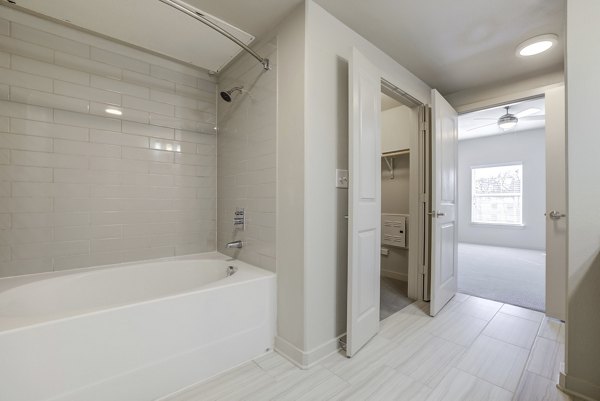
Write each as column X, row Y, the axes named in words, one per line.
column 489, row 224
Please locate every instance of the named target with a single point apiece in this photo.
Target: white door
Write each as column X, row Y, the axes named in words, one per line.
column 556, row 205
column 444, row 230
column 364, row 202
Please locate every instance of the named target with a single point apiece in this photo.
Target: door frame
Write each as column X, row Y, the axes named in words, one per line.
column 535, row 93
column 417, row 212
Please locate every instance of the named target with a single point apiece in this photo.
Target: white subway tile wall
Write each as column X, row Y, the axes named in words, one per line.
column 80, row 187
column 246, row 159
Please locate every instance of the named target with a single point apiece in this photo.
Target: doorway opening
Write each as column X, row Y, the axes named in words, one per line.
column 399, row 127
column 501, row 204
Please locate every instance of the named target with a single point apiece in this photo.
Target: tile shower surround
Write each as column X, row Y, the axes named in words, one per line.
column 247, row 158
column 79, row 187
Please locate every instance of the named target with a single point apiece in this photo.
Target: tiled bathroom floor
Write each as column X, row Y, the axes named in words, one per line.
column 475, row 350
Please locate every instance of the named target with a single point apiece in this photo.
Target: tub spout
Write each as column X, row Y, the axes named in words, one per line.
column 234, row 244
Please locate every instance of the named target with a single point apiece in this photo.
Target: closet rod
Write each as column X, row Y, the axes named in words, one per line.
column 396, row 153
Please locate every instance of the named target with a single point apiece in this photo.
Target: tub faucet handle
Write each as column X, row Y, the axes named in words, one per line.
column 234, row 244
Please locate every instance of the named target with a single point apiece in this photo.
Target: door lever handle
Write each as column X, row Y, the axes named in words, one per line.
column 433, row 213
column 555, row 215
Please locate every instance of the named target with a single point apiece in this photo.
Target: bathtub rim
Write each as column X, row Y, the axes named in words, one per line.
column 248, row 273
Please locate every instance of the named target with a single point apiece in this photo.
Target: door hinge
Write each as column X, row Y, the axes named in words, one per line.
column 424, row 120
column 421, row 270
column 342, row 342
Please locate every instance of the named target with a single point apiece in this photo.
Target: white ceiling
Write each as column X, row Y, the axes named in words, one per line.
column 484, row 123
column 256, row 17
column 459, row 44
column 451, row 45
column 149, row 24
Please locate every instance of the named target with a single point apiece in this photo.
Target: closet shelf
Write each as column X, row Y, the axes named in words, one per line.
column 396, row 153
column 389, row 159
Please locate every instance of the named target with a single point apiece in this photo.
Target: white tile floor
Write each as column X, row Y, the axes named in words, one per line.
column 474, row 350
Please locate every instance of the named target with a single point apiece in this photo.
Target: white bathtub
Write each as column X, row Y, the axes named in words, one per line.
column 131, row 332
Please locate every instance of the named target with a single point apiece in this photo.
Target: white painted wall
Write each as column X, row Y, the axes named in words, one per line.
column 395, row 191
column 290, row 185
column 583, row 143
column 395, row 199
column 527, row 147
column 329, row 45
column 395, row 126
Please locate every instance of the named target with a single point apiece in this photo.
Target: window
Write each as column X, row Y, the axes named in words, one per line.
column 497, row 194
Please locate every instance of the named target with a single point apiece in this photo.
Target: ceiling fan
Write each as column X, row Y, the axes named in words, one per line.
column 508, row 120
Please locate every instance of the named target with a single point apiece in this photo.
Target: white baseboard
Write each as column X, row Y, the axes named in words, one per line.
column 306, row 359
column 394, row 275
column 578, row 388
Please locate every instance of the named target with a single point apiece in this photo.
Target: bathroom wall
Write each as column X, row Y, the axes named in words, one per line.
column 527, row 147
column 246, row 157
column 291, row 106
column 329, row 46
column 80, row 187
column 581, row 376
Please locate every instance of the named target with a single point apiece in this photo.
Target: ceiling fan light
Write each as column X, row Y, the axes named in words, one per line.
column 507, row 125
column 507, row 122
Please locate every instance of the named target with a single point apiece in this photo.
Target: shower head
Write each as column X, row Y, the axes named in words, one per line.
column 226, row 95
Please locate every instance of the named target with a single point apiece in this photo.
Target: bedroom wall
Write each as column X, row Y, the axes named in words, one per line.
column 527, row 147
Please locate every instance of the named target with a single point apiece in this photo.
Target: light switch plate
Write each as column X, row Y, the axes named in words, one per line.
column 341, row 178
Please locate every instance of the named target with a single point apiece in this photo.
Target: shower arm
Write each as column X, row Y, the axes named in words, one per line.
column 186, row 9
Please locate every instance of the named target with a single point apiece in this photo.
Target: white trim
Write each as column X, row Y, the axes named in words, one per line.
column 508, row 98
column 499, row 225
column 578, row 388
column 306, row 359
column 395, row 275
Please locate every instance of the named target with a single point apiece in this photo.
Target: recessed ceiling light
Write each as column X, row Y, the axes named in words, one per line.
column 537, row 45
column 116, row 112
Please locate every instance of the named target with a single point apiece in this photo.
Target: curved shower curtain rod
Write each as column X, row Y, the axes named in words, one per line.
column 187, row 9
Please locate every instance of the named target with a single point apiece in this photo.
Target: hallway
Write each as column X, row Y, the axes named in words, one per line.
column 475, row 349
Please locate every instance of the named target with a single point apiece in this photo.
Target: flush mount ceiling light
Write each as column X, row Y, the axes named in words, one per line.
column 537, row 45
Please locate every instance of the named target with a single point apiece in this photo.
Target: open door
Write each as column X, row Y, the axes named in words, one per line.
column 556, row 204
column 364, row 202
column 444, row 230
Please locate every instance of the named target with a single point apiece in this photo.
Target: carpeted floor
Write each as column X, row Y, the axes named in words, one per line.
column 508, row 275
column 393, row 296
